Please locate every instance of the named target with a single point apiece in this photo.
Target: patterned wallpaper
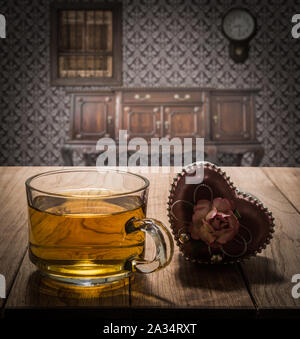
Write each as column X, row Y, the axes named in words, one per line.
column 165, row 43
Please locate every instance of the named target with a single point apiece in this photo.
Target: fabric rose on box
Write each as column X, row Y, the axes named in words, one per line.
column 214, row 223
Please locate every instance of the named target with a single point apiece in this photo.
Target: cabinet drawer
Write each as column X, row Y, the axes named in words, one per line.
column 92, row 117
column 153, row 97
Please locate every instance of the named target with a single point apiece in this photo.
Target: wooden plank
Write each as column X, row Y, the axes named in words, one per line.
column 187, row 285
column 13, row 221
column 287, row 179
column 30, row 290
column 270, row 273
column 184, row 284
column 180, row 285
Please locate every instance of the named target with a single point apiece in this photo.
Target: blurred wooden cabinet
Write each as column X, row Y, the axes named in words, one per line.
column 92, row 116
column 232, row 117
column 224, row 118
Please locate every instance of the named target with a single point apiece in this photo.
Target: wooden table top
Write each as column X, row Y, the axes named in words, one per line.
column 256, row 287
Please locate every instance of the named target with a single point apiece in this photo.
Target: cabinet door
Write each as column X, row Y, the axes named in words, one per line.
column 92, row 117
column 232, row 118
column 184, row 121
column 142, row 121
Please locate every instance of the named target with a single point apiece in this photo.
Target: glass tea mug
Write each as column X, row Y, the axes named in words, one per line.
column 88, row 227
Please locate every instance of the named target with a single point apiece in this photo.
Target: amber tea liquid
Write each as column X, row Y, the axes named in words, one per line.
column 84, row 237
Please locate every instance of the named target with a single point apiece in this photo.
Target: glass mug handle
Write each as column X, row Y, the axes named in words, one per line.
column 155, row 229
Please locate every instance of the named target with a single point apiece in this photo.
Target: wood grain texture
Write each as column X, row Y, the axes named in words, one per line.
column 287, row 180
column 31, row 290
column 187, row 285
column 13, row 221
column 182, row 284
column 270, row 273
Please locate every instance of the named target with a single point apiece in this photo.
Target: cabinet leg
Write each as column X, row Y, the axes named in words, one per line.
column 239, row 158
column 211, row 153
column 258, row 155
column 67, row 155
column 86, row 159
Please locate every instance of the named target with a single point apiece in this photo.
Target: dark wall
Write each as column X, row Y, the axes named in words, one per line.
column 165, row 43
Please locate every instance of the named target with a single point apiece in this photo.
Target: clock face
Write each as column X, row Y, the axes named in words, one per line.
column 238, row 24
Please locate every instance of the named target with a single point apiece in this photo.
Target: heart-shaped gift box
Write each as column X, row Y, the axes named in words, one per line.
column 255, row 221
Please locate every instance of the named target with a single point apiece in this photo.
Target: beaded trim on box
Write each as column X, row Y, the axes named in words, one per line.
column 182, row 235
